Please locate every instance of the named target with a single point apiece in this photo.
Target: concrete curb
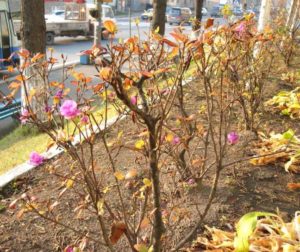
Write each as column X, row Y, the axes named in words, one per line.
column 55, row 151
column 48, row 155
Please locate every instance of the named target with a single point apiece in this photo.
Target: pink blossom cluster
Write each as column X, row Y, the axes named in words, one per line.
column 36, row 159
column 25, row 115
column 233, row 138
column 69, row 109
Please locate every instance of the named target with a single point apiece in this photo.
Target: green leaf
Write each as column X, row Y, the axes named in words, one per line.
column 288, row 135
column 285, row 112
column 141, row 247
column 245, row 228
column 2, row 208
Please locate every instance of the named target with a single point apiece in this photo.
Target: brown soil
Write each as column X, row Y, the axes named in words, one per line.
column 242, row 188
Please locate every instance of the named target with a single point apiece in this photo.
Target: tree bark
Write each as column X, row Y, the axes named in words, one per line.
column 158, row 228
column 33, row 27
column 159, row 15
column 198, row 9
column 33, row 36
column 293, row 15
column 264, row 16
column 98, row 25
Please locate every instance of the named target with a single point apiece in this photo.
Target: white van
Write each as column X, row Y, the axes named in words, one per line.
column 74, row 20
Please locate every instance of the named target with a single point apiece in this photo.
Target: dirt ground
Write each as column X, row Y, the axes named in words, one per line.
column 241, row 189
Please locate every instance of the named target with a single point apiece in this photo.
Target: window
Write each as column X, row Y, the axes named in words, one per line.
column 75, row 12
column 107, row 12
column 4, row 35
column 176, row 11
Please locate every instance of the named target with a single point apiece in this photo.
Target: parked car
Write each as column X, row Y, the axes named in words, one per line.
column 147, row 15
column 216, row 11
column 57, row 14
column 204, row 11
column 72, row 22
column 237, row 11
column 178, row 15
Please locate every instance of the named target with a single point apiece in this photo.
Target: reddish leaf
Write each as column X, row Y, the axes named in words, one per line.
column 110, row 26
column 13, row 204
column 117, row 230
column 98, row 87
column 20, row 213
column 14, row 85
column 147, row 74
column 86, row 52
column 24, row 53
column 209, row 22
column 131, row 174
column 293, row 186
column 179, row 37
column 169, row 42
column 37, row 57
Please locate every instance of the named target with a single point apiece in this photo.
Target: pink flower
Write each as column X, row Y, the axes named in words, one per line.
column 36, row 159
column 69, row 109
column 241, row 28
column 191, row 181
column 24, row 116
column 69, row 249
column 165, row 91
column 84, row 119
column 133, row 100
column 59, row 94
column 47, row 109
column 232, row 137
column 176, row 140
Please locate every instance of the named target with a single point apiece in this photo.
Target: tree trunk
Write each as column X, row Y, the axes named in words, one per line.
column 198, row 9
column 264, row 16
column 159, row 15
column 196, row 25
column 33, row 35
column 33, row 27
column 98, row 28
column 244, row 5
column 158, row 228
column 294, row 19
column 292, row 12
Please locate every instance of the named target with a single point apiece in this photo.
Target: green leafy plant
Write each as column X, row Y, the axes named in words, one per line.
column 287, row 102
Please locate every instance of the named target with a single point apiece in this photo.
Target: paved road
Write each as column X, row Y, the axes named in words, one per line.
column 71, row 47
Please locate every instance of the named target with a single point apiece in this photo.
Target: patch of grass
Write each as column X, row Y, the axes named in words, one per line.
column 16, row 147
column 20, row 132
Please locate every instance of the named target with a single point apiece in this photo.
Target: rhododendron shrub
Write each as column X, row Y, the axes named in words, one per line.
column 173, row 143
